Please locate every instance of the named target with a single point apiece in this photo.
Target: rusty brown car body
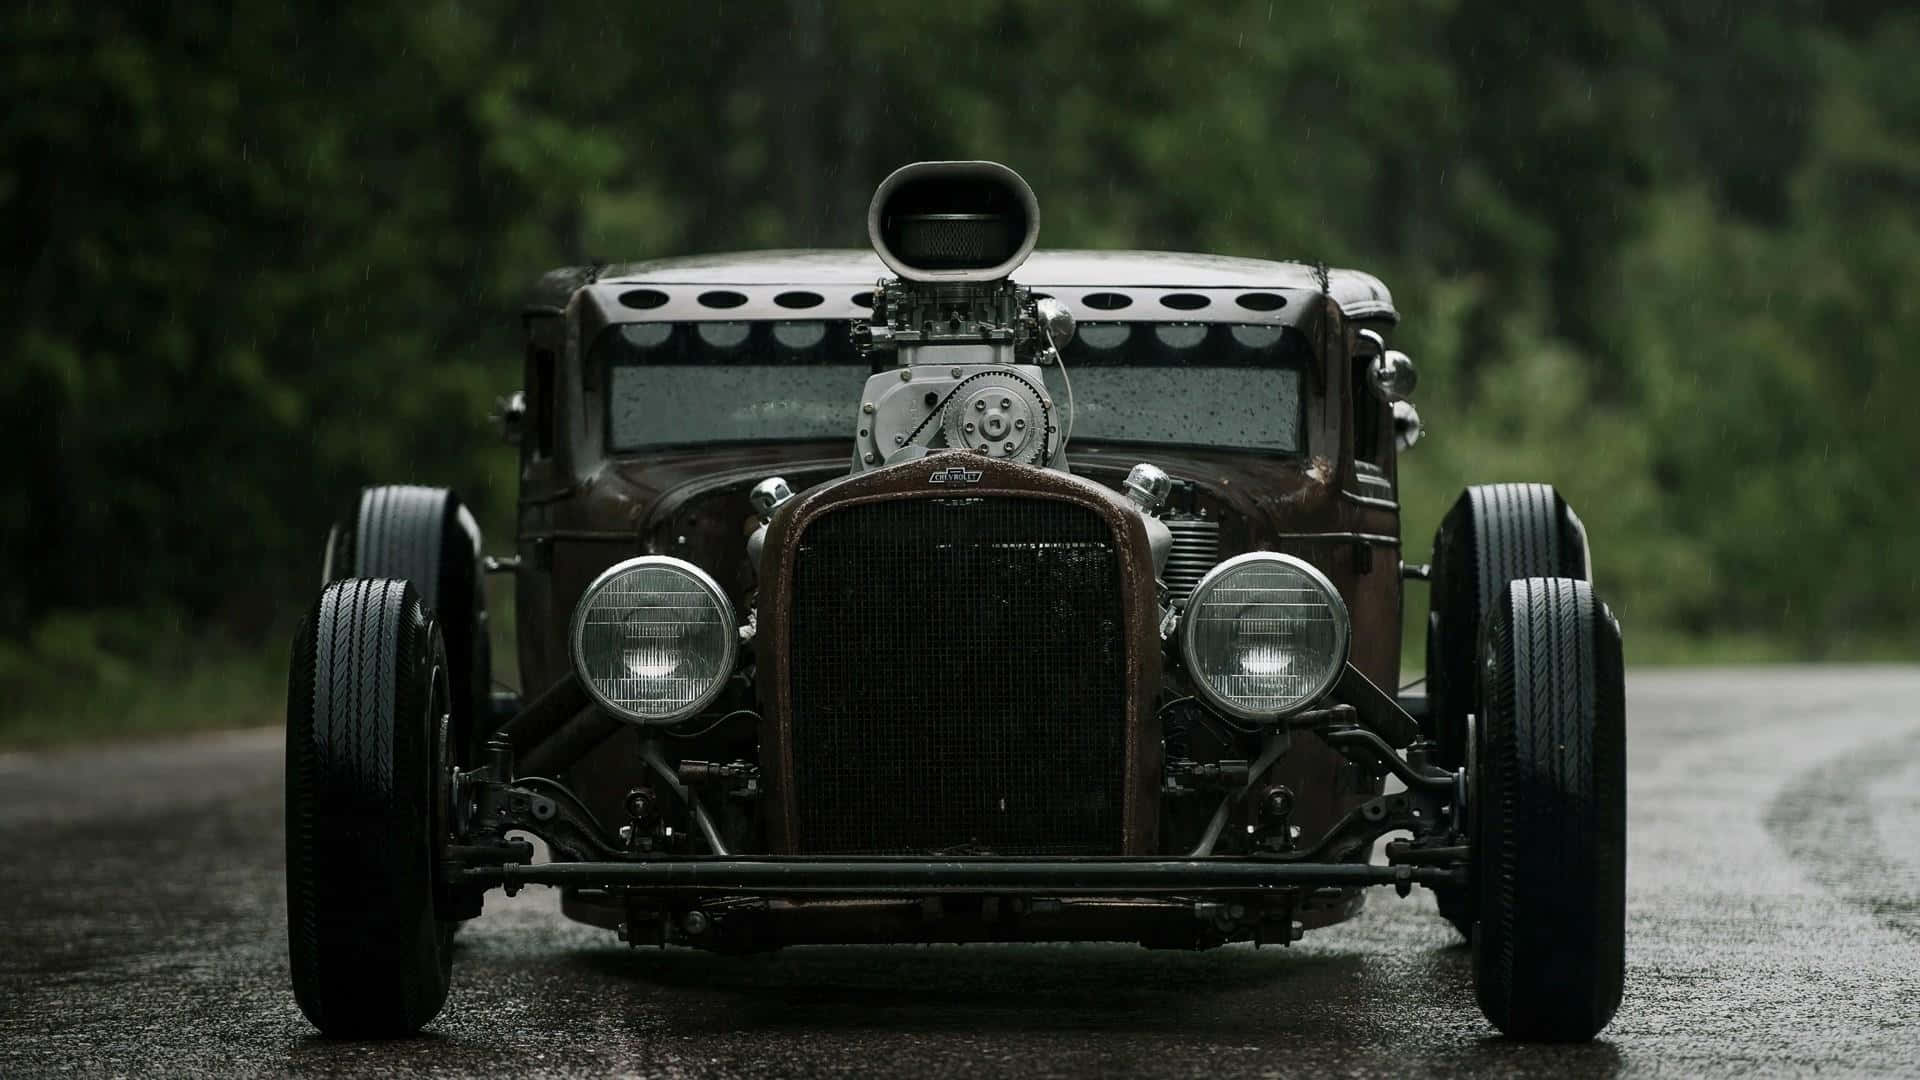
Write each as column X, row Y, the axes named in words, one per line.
column 778, row 812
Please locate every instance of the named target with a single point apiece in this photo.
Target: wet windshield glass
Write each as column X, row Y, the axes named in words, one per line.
column 1198, row 384
column 674, row 384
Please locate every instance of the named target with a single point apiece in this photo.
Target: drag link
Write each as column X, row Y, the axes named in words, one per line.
column 1342, row 738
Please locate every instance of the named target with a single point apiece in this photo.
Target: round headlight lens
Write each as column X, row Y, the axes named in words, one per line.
column 1265, row 635
column 654, row 639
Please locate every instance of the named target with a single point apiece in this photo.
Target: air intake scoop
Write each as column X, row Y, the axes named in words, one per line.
column 953, row 221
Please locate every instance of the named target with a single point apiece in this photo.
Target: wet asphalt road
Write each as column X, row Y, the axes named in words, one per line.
column 1773, row 905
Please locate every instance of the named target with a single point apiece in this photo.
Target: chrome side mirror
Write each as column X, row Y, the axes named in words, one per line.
column 1392, row 376
column 510, row 417
column 1056, row 319
column 1390, row 372
column 1407, row 428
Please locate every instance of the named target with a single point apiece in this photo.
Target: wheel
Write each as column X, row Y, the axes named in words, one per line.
column 367, row 724
column 426, row 536
column 1549, row 814
column 1493, row 534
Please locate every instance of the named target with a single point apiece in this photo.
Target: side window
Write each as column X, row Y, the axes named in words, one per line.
column 1370, row 421
column 1372, row 437
column 540, row 389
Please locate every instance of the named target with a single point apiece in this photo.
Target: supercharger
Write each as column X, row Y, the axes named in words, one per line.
column 969, row 344
column 958, row 348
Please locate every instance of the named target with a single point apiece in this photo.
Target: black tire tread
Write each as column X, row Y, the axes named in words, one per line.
column 411, row 532
column 367, row 950
column 1550, row 852
column 1494, row 534
column 400, row 533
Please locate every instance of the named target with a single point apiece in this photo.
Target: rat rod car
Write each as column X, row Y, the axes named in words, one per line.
column 887, row 600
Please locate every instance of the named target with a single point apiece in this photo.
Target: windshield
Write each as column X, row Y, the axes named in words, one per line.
column 674, row 384
column 1198, row 384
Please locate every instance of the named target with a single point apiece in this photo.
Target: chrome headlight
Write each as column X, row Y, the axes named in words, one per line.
column 1265, row 635
column 653, row 639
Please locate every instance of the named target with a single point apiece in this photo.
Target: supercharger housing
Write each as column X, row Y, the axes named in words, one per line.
column 958, row 348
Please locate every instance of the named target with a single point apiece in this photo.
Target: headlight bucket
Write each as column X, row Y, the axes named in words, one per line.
column 654, row 639
column 1265, row 636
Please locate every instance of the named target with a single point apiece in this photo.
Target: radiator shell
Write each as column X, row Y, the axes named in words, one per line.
column 803, row 818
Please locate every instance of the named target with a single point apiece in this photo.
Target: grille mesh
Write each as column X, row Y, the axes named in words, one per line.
column 958, row 680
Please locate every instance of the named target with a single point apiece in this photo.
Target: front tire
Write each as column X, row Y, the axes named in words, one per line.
column 367, row 706
column 1494, row 534
column 1549, row 810
column 427, row 536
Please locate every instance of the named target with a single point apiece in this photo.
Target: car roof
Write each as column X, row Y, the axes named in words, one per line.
column 1359, row 294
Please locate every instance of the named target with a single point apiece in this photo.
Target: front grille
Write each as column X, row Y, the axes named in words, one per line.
column 958, row 680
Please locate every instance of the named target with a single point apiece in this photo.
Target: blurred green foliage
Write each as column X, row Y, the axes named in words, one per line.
column 1661, row 255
